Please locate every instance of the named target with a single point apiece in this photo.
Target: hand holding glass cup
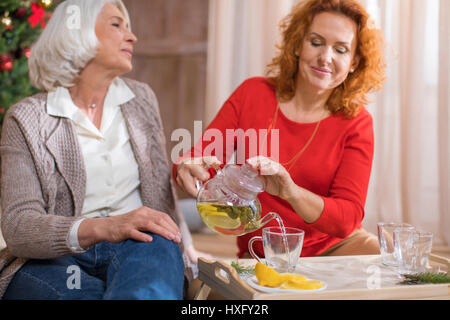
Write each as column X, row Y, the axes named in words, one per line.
column 281, row 253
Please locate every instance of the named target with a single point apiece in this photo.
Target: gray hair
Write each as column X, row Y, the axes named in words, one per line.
column 67, row 43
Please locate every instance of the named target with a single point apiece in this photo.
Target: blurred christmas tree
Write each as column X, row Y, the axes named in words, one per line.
column 21, row 23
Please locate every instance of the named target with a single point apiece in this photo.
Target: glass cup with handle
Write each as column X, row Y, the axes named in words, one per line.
column 281, row 249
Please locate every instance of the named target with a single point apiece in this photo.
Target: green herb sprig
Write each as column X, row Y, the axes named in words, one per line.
column 242, row 270
column 424, row 278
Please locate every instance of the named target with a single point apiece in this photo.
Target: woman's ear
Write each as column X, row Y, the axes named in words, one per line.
column 355, row 63
column 298, row 50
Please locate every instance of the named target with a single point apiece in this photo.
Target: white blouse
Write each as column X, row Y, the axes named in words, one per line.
column 112, row 174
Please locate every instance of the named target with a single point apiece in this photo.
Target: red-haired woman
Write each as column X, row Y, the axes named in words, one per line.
column 330, row 58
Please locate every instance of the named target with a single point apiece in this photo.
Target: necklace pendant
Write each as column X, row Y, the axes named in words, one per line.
column 92, row 105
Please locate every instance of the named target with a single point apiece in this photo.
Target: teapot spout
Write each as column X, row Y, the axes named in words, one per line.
column 268, row 217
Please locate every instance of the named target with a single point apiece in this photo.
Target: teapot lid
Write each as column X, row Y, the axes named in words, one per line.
column 243, row 180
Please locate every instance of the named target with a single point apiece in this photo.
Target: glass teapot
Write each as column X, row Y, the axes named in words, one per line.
column 228, row 203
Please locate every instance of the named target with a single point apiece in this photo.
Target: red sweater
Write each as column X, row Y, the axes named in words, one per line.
column 335, row 166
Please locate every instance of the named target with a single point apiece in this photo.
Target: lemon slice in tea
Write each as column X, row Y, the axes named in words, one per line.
column 221, row 220
column 205, row 207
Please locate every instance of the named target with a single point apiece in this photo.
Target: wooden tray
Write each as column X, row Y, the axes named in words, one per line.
column 220, row 276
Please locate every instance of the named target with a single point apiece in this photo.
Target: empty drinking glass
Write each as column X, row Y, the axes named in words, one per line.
column 386, row 241
column 412, row 249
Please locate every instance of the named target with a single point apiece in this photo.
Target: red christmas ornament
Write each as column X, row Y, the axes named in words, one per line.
column 27, row 52
column 6, row 63
column 20, row 13
column 37, row 15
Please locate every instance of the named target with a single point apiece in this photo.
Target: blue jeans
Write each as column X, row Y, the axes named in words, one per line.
column 126, row 270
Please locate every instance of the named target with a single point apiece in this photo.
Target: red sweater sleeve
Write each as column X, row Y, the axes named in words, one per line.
column 344, row 205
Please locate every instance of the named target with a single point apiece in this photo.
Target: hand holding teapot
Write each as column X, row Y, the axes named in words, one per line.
column 228, row 203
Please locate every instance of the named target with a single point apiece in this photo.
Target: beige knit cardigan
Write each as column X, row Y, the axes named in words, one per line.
column 43, row 178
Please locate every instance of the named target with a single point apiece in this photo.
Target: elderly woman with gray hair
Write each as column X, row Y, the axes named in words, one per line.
column 89, row 210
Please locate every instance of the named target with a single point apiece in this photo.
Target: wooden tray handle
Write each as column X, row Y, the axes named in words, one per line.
column 440, row 259
column 221, row 275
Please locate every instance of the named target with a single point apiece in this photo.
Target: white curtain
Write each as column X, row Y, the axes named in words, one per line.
column 411, row 176
column 242, row 36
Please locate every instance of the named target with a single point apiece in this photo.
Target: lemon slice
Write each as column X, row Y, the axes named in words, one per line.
column 222, row 220
column 293, row 276
column 206, row 207
column 267, row 276
column 301, row 285
column 206, row 213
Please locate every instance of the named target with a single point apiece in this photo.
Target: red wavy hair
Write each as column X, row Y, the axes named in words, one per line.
column 369, row 76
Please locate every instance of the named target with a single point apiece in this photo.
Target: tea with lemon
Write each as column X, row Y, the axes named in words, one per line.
column 230, row 220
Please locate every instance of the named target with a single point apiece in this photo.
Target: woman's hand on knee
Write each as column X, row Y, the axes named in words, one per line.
column 135, row 224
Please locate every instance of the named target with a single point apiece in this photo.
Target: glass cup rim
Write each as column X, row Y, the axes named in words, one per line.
column 405, row 229
column 420, row 233
column 424, row 234
column 289, row 231
column 395, row 224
